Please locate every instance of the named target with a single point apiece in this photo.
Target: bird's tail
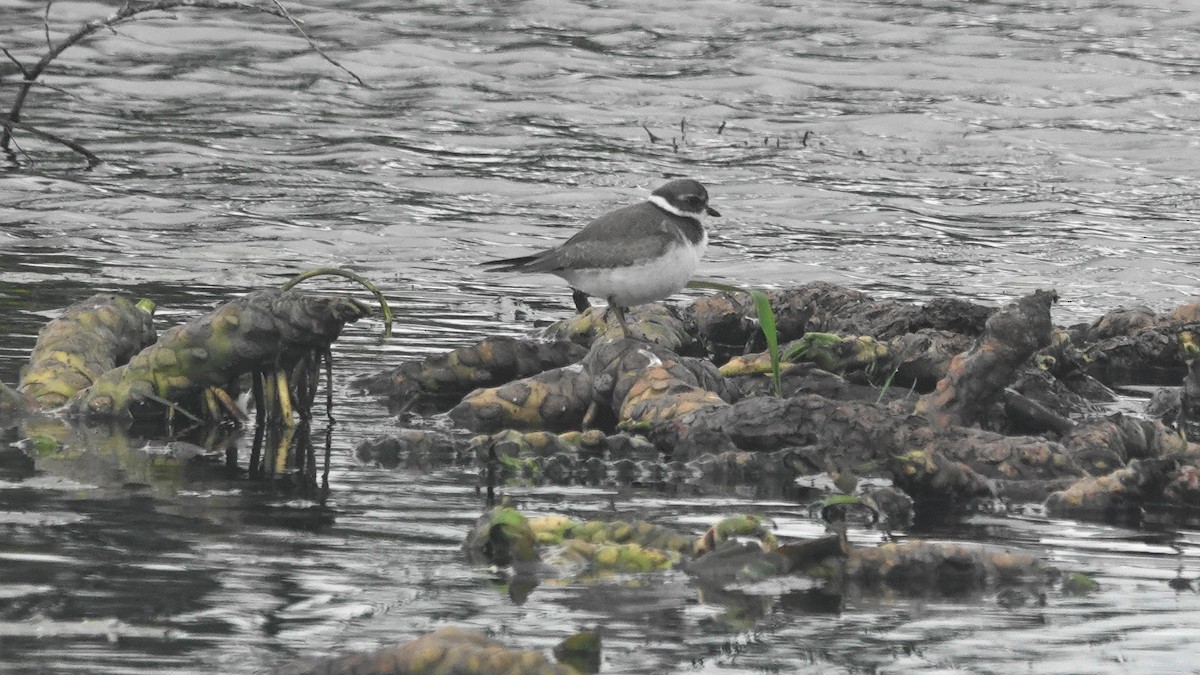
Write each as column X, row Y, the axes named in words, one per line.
column 509, row 264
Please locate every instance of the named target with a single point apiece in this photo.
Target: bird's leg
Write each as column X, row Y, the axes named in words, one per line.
column 620, row 312
column 581, row 300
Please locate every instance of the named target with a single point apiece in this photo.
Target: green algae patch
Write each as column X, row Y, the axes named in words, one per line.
column 1079, row 584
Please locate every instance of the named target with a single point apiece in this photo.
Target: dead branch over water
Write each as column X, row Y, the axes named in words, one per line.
column 126, row 13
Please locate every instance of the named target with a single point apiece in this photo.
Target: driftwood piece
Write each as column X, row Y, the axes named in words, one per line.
column 593, row 457
column 589, row 457
column 1124, row 321
column 1150, row 356
column 805, row 378
column 1183, row 485
column 956, row 463
column 1053, row 394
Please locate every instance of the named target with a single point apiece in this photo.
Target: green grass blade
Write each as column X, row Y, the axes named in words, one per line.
column 766, row 321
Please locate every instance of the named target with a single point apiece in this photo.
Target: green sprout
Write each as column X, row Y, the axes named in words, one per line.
column 766, row 321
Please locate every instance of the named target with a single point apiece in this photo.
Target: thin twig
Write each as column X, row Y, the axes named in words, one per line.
column 20, row 66
column 9, row 125
column 13, row 156
column 126, row 13
column 287, row 15
column 65, row 92
column 46, row 24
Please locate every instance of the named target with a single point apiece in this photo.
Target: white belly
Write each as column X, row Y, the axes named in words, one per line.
column 629, row 286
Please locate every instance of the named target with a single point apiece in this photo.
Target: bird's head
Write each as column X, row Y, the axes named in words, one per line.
column 685, row 198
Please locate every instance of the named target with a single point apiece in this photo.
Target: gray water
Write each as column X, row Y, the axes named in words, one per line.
column 914, row 149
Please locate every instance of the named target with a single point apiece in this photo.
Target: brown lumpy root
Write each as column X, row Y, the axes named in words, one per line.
column 490, row 362
column 446, row 650
column 976, row 377
column 913, row 360
column 623, row 381
column 919, row 567
column 725, row 320
column 91, row 337
column 272, row 335
column 955, row 403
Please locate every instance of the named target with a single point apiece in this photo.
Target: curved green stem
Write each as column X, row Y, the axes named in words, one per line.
column 335, row 272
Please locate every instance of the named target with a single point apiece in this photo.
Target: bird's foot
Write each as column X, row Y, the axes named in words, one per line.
column 620, row 312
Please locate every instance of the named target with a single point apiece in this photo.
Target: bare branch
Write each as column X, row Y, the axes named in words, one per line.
column 9, row 125
column 20, row 66
column 46, row 24
column 314, row 46
column 13, row 155
column 129, row 9
column 61, row 90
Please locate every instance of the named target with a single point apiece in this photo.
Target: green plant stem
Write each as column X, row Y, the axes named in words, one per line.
column 766, row 322
column 335, row 272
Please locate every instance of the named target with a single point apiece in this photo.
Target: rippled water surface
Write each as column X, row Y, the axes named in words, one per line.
column 912, row 149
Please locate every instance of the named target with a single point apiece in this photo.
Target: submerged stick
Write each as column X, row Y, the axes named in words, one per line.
column 90, row 156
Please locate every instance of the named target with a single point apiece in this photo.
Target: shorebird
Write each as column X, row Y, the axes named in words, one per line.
column 634, row 255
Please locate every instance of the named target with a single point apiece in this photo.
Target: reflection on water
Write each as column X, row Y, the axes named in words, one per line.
column 915, row 149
